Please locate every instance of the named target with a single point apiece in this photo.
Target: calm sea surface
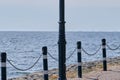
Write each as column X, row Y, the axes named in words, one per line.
column 24, row 48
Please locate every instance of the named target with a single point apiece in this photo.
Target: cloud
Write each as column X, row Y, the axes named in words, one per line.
column 111, row 3
column 99, row 3
column 28, row 2
column 55, row 2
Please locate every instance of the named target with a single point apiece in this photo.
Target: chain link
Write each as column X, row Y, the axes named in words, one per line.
column 52, row 57
column 113, row 48
column 54, row 45
column 66, row 58
column 26, row 68
column 71, row 54
column 93, row 53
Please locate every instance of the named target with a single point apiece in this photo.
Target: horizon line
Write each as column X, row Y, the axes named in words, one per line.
column 51, row 31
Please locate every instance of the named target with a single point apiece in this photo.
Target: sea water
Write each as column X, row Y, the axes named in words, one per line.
column 24, row 48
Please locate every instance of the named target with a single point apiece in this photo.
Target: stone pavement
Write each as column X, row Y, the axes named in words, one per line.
column 103, row 75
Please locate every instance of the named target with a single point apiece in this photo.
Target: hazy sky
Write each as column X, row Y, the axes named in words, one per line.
column 43, row 15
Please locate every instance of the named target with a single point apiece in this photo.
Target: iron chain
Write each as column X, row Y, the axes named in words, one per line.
column 26, row 68
column 113, row 48
column 52, row 57
column 71, row 54
column 93, row 53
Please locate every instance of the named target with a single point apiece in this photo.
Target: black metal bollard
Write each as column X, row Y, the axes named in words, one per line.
column 62, row 41
column 79, row 58
column 3, row 66
column 45, row 63
column 104, row 54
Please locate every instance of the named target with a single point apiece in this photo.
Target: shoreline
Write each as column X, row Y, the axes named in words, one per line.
column 71, row 70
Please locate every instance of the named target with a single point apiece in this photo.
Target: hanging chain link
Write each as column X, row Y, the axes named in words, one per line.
column 52, row 57
column 71, row 54
column 66, row 58
column 92, row 53
column 113, row 48
column 26, row 68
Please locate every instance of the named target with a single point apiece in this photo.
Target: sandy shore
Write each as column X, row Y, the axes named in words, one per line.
column 91, row 71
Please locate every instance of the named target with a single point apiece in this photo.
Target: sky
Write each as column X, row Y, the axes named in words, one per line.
column 43, row 15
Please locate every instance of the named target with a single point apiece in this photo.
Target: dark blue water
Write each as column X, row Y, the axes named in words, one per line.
column 24, row 48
